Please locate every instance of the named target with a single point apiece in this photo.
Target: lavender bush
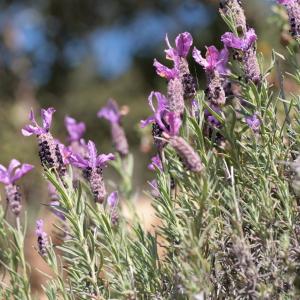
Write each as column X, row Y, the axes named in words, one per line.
column 225, row 186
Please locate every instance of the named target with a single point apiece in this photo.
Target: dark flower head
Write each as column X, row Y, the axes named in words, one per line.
column 232, row 41
column 110, row 112
column 74, row 128
column 159, row 111
column 93, row 161
column 15, row 171
column 42, row 237
column 155, row 164
column 254, row 122
column 46, row 115
column 214, row 60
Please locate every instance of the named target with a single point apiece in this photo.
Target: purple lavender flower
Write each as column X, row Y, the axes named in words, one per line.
column 9, row 176
column 112, row 202
column 214, row 60
column 49, row 151
column 157, row 119
column 247, row 46
column 75, row 129
column 92, row 169
column 42, row 238
column 188, row 155
column 181, row 84
column 215, row 66
column 233, row 8
column 254, row 122
column 293, row 10
column 111, row 113
column 155, row 164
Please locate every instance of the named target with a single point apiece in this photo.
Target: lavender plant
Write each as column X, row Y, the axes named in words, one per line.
column 225, row 187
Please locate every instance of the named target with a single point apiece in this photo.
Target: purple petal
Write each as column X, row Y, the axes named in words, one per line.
column 12, row 165
column 183, row 42
column 164, row 71
column 155, row 163
column 199, row 58
column 65, row 153
column 174, row 122
column 161, row 108
column 21, row 171
column 4, row 178
column 47, row 117
column 171, row 53
column 223, row 61
column 28, row 130
column 232, row 41
column 78, row 161
column 102, row 159
column 148, row 121
column 110, row 112
column 92, row 154
column 113, row 199
column 75, row 129
column 254, row 122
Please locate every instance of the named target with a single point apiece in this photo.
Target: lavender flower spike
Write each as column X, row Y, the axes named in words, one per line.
column 181, row 84
column 188, row 155
column 234, row 9
column 215, row 66
column 111, row 113
column 112, row 202
column 92, row 169
column 247, row 46
column 42, row 238
column 49, row 151
column 157, row 119
column 75, row 129
column 293, row 10
column 9, row 176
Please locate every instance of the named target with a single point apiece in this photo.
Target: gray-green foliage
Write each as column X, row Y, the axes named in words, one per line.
column 230, row 232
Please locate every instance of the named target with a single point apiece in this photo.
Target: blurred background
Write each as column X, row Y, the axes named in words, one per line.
column 74, row 55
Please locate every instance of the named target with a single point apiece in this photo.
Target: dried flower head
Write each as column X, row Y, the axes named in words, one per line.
column 9, row 176
column 233, row 8
column 92, row 167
